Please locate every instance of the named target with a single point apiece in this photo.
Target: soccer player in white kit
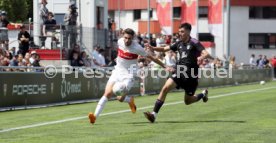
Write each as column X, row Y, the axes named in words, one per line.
column 122, row 77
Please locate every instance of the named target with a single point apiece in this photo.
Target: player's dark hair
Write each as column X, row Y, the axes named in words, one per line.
column 129, row 31
column 186, row 26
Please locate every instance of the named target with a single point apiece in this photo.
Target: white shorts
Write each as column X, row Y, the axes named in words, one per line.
column 127, row 79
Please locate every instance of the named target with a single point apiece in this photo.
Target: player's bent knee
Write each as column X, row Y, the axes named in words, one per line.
column 121, row 98
column 108, row 95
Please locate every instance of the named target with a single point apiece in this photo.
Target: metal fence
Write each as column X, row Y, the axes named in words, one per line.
column 65, row 36
column 62, row 37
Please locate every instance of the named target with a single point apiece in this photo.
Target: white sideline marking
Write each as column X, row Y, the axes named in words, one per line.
column 122, row 111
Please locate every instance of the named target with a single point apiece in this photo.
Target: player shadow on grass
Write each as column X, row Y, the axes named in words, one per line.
column 181, row 122
column 206, row 121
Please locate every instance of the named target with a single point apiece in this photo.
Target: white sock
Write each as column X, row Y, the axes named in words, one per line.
column 100, row 106
column 154, row 114
column 127, row 99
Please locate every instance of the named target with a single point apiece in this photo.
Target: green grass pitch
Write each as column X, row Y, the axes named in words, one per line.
column 238, row 114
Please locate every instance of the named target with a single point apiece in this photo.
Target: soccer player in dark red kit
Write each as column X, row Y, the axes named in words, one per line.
column 189, row 51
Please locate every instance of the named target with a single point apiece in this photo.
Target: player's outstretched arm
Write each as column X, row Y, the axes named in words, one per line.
column 158, row 49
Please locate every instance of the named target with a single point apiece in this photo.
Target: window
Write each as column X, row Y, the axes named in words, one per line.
column 59, row 18
column 262, row 12
column 136, row 14
column 272, row 41
column 176, row 12
column 203, row 12
column 262, row 41
column 206, row 37
column 100, row 17
column 150, row 13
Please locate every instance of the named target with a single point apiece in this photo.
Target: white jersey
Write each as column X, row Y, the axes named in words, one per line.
column 128, row 56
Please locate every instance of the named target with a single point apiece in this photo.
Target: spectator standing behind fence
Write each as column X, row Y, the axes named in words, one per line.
column 75, row 62
column 14, row 61
column 49, row 27
column 101, row 59
column 70, row 20
column 3, row 20
column 232, row 62
column 139, row 38
column 32, row 58
column 23, row 38
column 43, row 13
column 258, row 61
column 13, row 51
column 85, row 60
column 4, row 39
column 265, row 62
column 26, row 60
column 95, row 57
column 153, row 40
column 37, row 63
column 4, row 60
column 20, row 60
column 252, row 61
column 160, row 41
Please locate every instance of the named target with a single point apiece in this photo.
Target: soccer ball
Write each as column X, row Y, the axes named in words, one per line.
column 119, row 89
column 262, row 82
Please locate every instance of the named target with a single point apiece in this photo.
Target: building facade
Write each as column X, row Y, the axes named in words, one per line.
column 252, row 24
column 92, row 20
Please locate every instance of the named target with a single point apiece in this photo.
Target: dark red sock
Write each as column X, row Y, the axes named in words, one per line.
column 158, row 105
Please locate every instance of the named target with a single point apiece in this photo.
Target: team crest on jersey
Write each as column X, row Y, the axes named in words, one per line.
column 188, row 47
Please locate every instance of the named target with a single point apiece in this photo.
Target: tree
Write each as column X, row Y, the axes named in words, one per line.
column 17, row 9
column 30, row 8
column 5, row 5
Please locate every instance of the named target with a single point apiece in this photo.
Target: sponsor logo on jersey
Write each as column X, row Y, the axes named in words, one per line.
column 127, row 55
